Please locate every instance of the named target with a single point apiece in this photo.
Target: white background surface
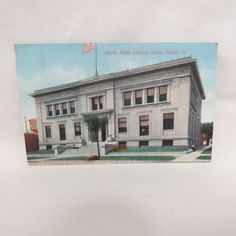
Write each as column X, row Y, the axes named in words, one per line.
column 137, row 199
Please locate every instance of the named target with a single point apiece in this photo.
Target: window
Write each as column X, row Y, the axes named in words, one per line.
column 64, row 108
column 77, row 127
column 97, row 103
column 123, row 144
column 49, row 110
column 168, row 120
column 150, row 95
column 57, row 109
column 143, row 143
column 162, row 93
column 72, row 107
column 48, row 131
column 144, row 125
column 138, row 97
column 122, row 125
column 167, row 142
column 127, row 98
column 48, row 147
column 62, row 131
column 100, row 103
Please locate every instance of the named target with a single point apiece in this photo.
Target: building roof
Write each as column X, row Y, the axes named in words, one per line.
column 135, row 71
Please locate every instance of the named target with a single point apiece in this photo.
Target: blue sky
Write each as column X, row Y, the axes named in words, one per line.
column 44, row 65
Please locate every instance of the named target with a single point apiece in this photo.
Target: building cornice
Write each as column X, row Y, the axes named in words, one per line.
column 127, row 73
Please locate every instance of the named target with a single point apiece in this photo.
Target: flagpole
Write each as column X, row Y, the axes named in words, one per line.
column 96, row 61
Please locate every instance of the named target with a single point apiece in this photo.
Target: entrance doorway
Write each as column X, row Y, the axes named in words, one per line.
column 93, row 136
column 102, row 133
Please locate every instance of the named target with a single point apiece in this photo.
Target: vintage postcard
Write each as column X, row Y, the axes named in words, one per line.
column 117, row 102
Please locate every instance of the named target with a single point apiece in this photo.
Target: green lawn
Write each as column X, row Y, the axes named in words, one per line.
column 155, row 149
column 139, row 158
column 66, row 158
column 36, row 158
column 207, row 151
column 42, row 152
column 204, row 157
column 124, row 158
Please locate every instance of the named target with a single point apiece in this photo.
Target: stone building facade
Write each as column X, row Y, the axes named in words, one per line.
column 156, row 105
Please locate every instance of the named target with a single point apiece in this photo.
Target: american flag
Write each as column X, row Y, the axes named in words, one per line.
column 88, row 47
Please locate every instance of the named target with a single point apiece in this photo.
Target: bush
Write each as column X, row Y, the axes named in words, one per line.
column 92, row 158
column 118, row 148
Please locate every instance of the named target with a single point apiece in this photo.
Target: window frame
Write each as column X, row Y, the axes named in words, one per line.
column 57, row 109
column 98, row 102
column 63, row 108
column 166, row 121
column 153, row 96
column 146, row 128
column 143, row 143
column 48, row 131
column 122, row 129
column 160, row 96
column 122, row 143
column 48, row 111
column 165, row 141
column 70, row 107
column 62, row 126
column 140, row 101
column 77, row 133
column 125, row 104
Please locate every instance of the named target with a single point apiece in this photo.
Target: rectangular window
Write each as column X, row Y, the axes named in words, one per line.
column 168, row 121
column 64, row 108
column 163, row 93
column 144, row 125
column 143, row 143
column 100, row 100
column 122, row 144
column 48, row 147
column 48, row 131
column 72, row 107
column 77, row 127
column 62, row 131
column 49, row 110
column 150, row 95
column 127, row 98
column 122, row 125
column 57, row 109
column 97, row 103
column 138, row 97
column 168, row 142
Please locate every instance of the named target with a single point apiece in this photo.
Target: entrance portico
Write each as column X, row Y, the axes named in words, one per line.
column 104, row 130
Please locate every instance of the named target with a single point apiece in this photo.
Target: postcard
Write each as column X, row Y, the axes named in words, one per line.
column 97, row 103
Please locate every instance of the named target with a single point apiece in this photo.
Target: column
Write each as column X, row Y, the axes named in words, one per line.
column 144, row 96
column 156, row 94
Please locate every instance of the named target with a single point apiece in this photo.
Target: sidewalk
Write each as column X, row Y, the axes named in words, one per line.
column 191, row 157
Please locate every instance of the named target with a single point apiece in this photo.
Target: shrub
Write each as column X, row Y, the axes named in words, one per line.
column 93, row 158
column 118, row 148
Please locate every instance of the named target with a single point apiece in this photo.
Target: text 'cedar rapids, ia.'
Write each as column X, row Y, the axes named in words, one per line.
column 143, row 53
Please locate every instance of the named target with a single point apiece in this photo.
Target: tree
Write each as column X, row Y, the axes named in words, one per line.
column 94, row 122
column 207, row 129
